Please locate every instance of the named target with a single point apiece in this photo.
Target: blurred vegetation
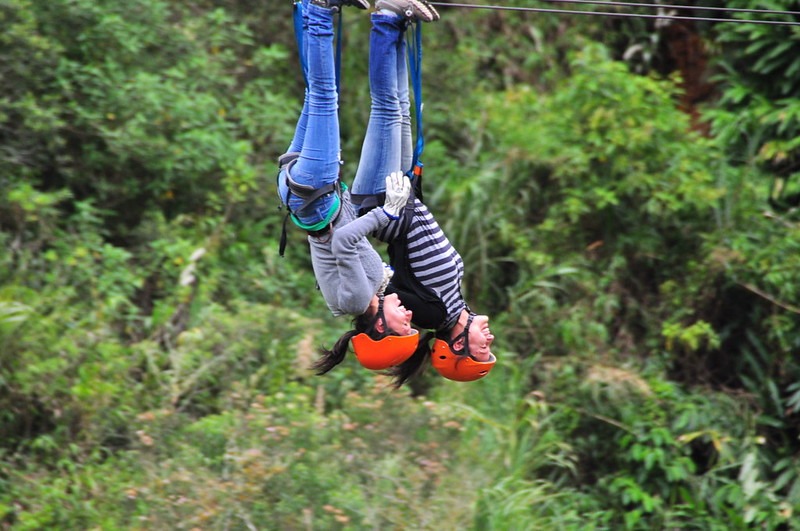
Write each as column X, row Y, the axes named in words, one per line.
column 622, row 193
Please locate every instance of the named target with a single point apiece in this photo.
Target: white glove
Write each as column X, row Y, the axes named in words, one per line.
column 398, row 187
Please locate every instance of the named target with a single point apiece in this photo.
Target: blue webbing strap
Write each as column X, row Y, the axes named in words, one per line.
column 297, row 15
column 415, row 67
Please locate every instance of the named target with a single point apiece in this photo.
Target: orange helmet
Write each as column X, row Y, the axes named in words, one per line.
column 458, row 367
column 386, row 352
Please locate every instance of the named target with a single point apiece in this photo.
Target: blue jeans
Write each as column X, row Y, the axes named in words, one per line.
column 388, row 144
column 300, row 129
column 317, row 133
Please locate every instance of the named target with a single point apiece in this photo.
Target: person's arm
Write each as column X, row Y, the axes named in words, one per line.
column 357, row 260
column 360, row 266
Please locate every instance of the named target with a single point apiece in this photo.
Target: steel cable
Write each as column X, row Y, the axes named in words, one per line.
column 670, row 6
column 629, row 15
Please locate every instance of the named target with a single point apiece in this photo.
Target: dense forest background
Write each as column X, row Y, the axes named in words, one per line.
column 621, row 192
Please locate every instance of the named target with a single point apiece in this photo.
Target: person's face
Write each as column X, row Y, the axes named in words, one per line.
column 480, row 338
column 397, row 317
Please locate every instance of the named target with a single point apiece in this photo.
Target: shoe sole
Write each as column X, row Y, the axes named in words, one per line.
column 434, row 13
column 419, row 9
column 358, row 4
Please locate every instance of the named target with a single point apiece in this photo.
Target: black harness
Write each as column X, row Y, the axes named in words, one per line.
column 307, row 193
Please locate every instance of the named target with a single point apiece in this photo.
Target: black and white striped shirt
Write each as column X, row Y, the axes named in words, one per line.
column 432, row 258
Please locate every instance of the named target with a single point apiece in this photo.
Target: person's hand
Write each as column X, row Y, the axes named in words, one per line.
column 398, row 187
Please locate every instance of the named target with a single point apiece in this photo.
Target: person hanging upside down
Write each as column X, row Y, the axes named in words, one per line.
column 349, row 272
column 427, row 268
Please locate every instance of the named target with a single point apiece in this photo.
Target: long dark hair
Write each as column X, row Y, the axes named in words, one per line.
column 414, row 365
column 362, row 324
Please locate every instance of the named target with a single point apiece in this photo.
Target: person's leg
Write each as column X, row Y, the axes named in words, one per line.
column 406, row 139
column 381, row 150
column 318, row 164
column 301, row 9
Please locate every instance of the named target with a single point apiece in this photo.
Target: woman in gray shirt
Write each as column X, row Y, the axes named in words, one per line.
column 350, row 273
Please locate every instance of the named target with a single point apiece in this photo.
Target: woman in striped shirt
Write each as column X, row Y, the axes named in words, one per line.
column 427, row 268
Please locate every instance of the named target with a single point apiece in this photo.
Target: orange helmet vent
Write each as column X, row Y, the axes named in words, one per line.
column 458, row 367
column 386, row 352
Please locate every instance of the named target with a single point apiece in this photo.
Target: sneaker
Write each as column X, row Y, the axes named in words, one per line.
column 412, row 9
column 336, row 5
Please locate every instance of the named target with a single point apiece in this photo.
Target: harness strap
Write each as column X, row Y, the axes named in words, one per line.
column 288, row 158
column 308, row 194
column 415, row 68
column 282, row 245
column 367, row 202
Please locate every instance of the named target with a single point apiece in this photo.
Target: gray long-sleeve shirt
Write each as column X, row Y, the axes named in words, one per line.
column 348, row 269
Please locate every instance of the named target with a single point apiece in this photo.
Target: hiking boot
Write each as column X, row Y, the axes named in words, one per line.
column 336, row 5
column 411, row 9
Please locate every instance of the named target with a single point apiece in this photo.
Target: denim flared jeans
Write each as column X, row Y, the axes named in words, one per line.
column 387, row 145
column 317, row 133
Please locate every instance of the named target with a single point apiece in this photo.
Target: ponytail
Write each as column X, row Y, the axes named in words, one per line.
column 329, row 359
column 414, row 365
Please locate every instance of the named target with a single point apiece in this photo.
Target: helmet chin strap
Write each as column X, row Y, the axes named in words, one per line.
column 463, row 335
column 379, row 315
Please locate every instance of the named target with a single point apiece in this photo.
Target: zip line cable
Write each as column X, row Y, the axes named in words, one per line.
column 668, row 6
column 608, row 14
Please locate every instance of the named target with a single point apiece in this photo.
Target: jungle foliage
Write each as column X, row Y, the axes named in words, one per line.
column 623, row 197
